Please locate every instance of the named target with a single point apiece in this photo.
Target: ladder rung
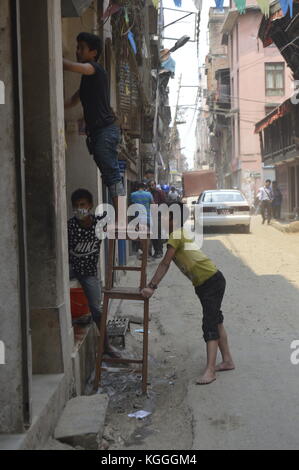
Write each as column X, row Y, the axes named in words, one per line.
column 126, row 268
column 122, row 361
column 121, row 371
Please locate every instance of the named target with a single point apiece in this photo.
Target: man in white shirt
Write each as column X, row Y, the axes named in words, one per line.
column 173, row 195
column 265, row 195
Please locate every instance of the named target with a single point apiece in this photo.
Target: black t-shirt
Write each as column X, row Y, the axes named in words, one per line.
column 95, row 99
column 84, row 248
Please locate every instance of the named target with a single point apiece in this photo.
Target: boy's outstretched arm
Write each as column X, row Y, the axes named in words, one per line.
column 83, row 69
column 73, row 101
column 160, row 273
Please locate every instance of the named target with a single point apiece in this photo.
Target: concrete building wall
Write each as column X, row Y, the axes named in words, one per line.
column 52, row 333
column 11, row 375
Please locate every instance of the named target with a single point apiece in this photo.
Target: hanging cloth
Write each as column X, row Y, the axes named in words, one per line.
column 241, row 5
column 132, row 41
column 264, row 6
column 219, row 4
column 285, row 5
column 178, row 3
column 156, row 3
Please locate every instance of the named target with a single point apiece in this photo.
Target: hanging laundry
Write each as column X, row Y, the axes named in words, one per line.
column 126, row 16
column 178, row 3
column 132, row 41
column 111, row 10
column 285, row 5
column 219, row 4
column 264, row 6
column 156, row 3
column 241, row 5
column 169, row 65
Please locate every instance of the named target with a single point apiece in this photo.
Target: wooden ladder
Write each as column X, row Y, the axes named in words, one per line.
column 123, row 293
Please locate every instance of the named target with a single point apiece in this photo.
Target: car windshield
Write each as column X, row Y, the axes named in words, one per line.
column 223, row 197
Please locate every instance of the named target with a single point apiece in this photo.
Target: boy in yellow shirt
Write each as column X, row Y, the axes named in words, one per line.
column 209, row 285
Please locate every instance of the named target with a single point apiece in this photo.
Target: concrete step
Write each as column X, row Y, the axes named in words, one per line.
column 56, row 445
column 82, row 422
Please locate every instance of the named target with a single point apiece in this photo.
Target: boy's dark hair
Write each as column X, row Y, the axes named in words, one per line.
column 81, row 194
column 268, row 181
column 139, row 185
column 150, row 171
column 94, row 43
column 184, row 211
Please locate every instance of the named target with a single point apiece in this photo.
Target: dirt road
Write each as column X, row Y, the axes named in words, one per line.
column 254, row 407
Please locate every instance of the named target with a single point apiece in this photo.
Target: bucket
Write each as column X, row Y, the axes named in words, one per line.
column 79, row 303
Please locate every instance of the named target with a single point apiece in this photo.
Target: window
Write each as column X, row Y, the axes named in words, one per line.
column 274, row 79
column 223, row 197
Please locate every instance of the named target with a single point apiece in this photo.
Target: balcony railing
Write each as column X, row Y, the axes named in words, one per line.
column 279, row 134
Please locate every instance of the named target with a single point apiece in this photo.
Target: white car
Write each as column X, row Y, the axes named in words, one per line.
column 225, row 207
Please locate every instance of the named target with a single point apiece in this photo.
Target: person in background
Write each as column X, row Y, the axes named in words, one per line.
column 159, row 198
column 148, row 176
column 84, row 251
column 265, row 196
column 277, row 200
column 144, row 198
column 173, row 195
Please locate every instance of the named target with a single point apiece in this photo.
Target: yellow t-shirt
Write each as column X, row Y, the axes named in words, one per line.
column 190, row 259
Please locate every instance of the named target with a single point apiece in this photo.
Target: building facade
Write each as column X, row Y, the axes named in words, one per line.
column 278, row 131
column 44, row 159
column 259, row 81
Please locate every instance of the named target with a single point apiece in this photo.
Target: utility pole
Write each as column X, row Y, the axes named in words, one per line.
column 174, row 128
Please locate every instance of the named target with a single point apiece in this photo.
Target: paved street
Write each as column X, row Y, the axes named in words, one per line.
column 254, row 407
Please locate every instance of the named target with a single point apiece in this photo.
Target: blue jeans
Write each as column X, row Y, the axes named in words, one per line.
column 102, row 144
column 92, row 289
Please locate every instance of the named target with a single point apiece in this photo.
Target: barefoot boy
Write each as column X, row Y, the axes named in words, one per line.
column 209, row 286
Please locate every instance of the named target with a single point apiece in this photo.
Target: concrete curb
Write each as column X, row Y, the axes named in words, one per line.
column 293, row 227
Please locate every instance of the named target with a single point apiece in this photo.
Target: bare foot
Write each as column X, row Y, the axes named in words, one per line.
column 224, row 366
column 207, row 378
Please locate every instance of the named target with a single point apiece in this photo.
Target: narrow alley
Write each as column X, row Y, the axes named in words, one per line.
column 252, row 407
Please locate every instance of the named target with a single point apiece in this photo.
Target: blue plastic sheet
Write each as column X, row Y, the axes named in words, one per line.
column 285, row 5
column 132, row 41
column 219, row 4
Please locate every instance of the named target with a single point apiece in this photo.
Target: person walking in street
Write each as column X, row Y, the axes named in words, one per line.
column 173, row 195
column 209, row 284
column 84, row 252
column 265, row 196
column 277, row 200
column 144, row 198
column 103, row 133
column 148, row 176
column 159, row 198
